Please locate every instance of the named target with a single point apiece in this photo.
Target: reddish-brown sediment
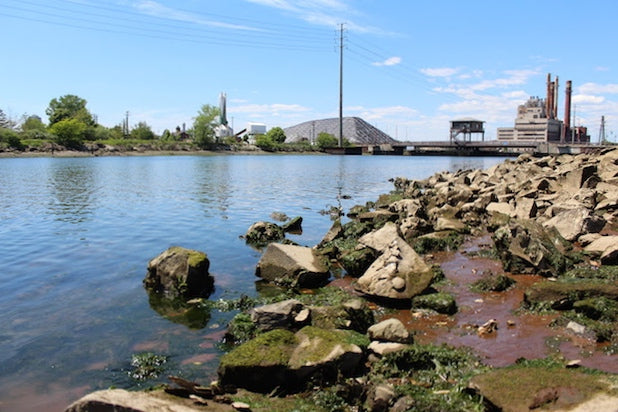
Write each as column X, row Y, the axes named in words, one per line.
column 520, row 334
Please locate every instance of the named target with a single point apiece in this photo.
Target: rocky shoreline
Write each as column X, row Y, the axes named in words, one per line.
column 317, row 346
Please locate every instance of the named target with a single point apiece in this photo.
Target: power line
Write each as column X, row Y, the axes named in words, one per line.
column 261, row 37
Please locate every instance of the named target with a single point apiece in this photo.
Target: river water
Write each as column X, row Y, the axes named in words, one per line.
column 76, row 235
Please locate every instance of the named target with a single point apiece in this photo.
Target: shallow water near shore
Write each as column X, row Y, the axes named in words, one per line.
column 76, row 235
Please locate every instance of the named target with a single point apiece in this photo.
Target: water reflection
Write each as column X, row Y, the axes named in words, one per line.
column 192, row 315
column 72, row 187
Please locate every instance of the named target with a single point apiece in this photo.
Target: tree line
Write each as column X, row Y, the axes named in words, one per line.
column 71, row 125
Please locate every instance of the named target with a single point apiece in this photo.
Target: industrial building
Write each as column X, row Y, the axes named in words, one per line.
column 355, row 130
column 537, row 120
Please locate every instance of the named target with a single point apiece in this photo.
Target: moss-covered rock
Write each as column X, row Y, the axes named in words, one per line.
column 261, row 364
column 437, row 241
column 526, row 247
column 180, row 273
column 262, row 233
column 492, row 283
column 562, row 294
column 440, row 302
column 528, row 387
column 289, row 362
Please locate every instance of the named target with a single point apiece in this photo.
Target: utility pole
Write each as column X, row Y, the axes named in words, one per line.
column 341, row 85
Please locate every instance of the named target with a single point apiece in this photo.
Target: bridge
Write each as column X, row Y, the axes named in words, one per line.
column 468, row 148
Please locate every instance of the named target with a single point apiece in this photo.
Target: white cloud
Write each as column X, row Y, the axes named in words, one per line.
column 391, row 61
column 329, row 13
column 586, row 98
column 153, row 8
column 594, row 88
column 439, row 71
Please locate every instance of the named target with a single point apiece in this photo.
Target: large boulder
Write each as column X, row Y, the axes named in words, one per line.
column 180, row 273
column 120, row 400
column 525, row 388
column 286, row 361
column 291, row 265
column 576, row 222
column 525, row 246
column 399, row 273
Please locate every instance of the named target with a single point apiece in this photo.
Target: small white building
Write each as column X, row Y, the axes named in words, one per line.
column 254, row 129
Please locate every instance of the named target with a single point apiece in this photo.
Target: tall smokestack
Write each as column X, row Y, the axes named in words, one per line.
column 556, row 98
column 547, row 98
column 552, row 95
column 567, row 111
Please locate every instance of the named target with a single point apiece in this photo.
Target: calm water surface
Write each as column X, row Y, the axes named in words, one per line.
column 76, row 235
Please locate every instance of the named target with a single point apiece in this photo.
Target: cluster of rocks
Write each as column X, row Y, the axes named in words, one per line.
column 540, row 211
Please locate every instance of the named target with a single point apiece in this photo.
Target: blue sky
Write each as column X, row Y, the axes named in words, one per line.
column 409, row 66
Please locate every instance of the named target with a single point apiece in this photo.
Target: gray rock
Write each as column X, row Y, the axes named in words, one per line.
column 601, row 244
column 180, row 273
column 296, row 266
column 610, row 255
column 278, row 315
column 501, row 207
column 383, row 348
column 399, row 262
column 573, row 223
column 120, row 400
column 443, row 223
column 389, row 330
column 380, row 239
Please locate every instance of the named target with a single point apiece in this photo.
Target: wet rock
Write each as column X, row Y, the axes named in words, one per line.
column 440, row 302
column 353, row 314
column 526, row 247
column 390, row 330
column 522, row 387
column 295, row 225
column 564, row 293
column 262, row 233
column 291, row 265
column 335, row 231
column 180, row 273
column 282, row 360
column 277, row 315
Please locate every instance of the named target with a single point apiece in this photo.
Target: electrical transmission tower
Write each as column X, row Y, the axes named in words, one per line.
column 602, row 131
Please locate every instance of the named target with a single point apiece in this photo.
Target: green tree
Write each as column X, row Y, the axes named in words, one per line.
column 276, row 134
column 11, row 138
column 69, row 133
column 142, row 132
column 264, row 142
column 69, row 107
column 204, row 126
column 325, row 140
column 33, row 123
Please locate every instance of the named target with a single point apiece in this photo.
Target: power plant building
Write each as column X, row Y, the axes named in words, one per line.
column 537, row 120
